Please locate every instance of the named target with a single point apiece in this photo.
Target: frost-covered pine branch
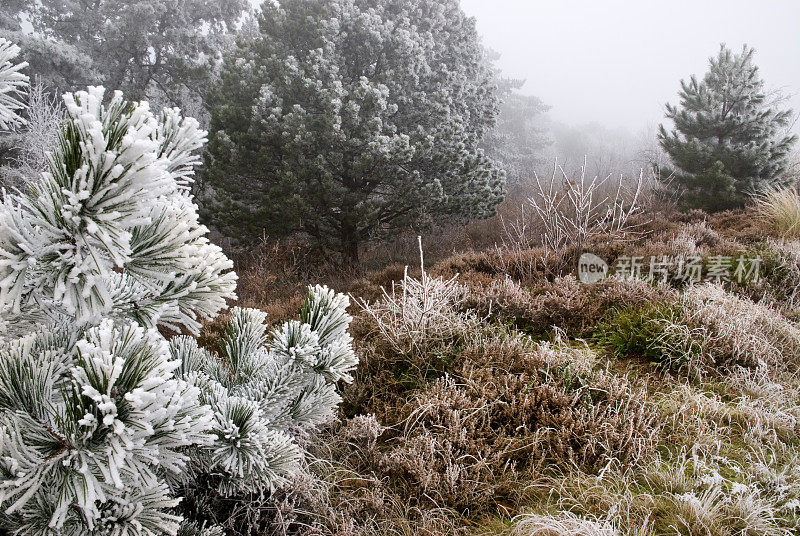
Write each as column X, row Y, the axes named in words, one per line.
column 89, row 423
column 94, row 425
column 263, row 386
column 103, row 422
column 12, row 85
column 110, row 229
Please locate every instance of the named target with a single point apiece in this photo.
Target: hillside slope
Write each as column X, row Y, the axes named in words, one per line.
column 498, row 394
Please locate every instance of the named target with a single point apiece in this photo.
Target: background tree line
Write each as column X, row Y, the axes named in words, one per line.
column 348, row 120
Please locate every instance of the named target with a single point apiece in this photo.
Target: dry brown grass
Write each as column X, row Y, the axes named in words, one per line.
column 564, row 303
column 456, row 432
column 779, row 208
column 508, row 411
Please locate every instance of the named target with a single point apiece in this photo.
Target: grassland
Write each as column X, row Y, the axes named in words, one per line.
column 498, row 395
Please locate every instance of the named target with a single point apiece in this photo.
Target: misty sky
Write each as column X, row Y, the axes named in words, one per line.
column 618, row 62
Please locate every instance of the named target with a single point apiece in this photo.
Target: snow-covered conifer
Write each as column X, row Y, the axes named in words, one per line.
column 103, row 422
column 351, row 119
column 89, row 424
column 730, row 138
column 12, row 84
column 264, row 385
column 110, row 229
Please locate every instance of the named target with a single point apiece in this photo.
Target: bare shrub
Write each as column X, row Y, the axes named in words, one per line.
column 520, row 229
column 574, row 211
column 44, row 117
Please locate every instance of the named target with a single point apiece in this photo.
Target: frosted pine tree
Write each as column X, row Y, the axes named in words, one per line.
column 352, row 119
column 103, row 422
column 730, row 136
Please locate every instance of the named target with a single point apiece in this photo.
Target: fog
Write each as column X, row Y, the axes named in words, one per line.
column 618, row 62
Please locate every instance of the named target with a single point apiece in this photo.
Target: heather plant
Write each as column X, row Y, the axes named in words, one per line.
column 781, row 274
column 492, row 430
column 693, row 239
column 564, row 303
column 741, row 332
column 520, row 264
column 710, row 477
column 512, row 410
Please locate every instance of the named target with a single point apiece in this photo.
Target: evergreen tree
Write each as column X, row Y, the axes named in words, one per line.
column 347, row 118
column 518, row 143
column 729, row 138
column 104, row 424
column 163, row 49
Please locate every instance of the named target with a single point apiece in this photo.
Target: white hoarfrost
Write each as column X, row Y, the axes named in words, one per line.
column 264, row 386
column 104, row 424
column 12, row 85
column 110, row 229
column 88, row 424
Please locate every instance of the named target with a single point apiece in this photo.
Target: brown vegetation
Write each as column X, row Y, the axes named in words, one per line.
column 491, row 398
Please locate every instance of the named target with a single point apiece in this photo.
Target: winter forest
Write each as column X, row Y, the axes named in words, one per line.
column 353, row 268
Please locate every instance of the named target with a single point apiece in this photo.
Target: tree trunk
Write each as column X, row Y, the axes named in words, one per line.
column 350, row 243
